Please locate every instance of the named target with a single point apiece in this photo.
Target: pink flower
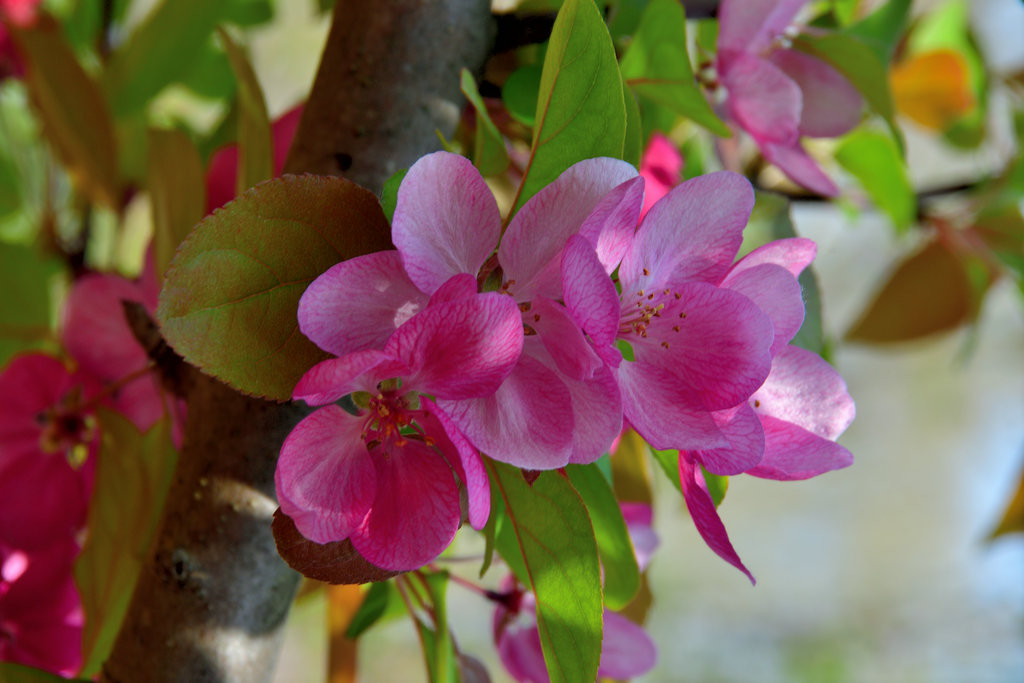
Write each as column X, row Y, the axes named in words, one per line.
column 385, row 477
column 49, row 438
column 779, row 94
column 661, row 168
column 638, row 518
column 40, row 611
column 21, row 13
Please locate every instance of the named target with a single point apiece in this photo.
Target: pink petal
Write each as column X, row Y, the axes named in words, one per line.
column 661, row 168
column 763, row 100
column 705, row 516
column 693, row 233
column 530, row 251
column 357, row 304
column 416, row 511
column 329, row 380
column 325, row 477
column 460, row 349
column 142, row 401
column 563, row 339
column 777, row 293
column 612, row 223
column 806, row 391
column 589, row 293
column 831, row 105
column 639, row 517
column 752, row 25
column 527, row 422
column 626, row 649
column 458, row 287
column 793, row 253
column 793, row 453
column 465, row 460
column 446, row 221
column 746, row 442
column 799, row 167
column 521, row 654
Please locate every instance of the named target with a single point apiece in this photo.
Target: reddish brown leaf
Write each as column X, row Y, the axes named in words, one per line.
column 335, row 563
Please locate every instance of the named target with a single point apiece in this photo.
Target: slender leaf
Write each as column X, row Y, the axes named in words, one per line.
column 255, row 141
column 19, row 673
column 519, row 93
column 633, row 149
column 631, row 476
column 380, row 603
column 177, row 191
column 489, row 154
column 874, row 160
column 882, row 29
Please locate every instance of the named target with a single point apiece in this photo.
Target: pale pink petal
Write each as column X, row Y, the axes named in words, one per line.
column 465, row 460
column 793, row 453
column 639, row 518
column 530, row 251
column 359, row 303
column 800, row 167
column 746, row 442
column 705, row 516
column 460, row 349
column 329, row 380
column 806, row 391
column 527, row 422
column 325, row 477
column 446, row 221
column 612, row 223
column 521, row 653
column 589, row 293
column 693, row 233
column 763, row 100
column 831, row 105
column 458, row 287
column 563, row 339
column 793, row 253
column 415, row 513
column 626, row 649
column 752, row 25
column 141, row 401
column 777, row 293
column 661, row 168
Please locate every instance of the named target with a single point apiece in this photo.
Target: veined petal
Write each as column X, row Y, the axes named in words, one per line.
column 460, row 349
column 329, row 380
column 793, row 453
column 464, row 459
column 777, row 293
column 746, row 442
column 325, row 477
column 521, row 653
column 831, row 105
column 563, row 339
column 446, row 221
column 752, row 25
column 357, row 304
column 792, row 253
column 612, row 223
column 415, row 513
column 458, row 287
column 626, row 649
column 589, row 293
column 705, row 516
column 806, row 391
column 763, row 99
column 530, row 251
column 693, row 233
column 799, row 166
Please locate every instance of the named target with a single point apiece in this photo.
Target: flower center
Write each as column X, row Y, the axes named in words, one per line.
column 66, row 428
column 652, row 308
column 390, row 420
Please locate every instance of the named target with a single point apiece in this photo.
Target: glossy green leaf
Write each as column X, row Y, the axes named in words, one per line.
column 657, row 66
column 883, row 29
column 519, row 94
column 874, row 160
column 25, row 279
column 133, row 476
column 380, row 604
column 177, row 190
column 556, row 555
column 489, row 154
column 621, row 574
column 255, row 141
column 231, row 294
column 581, row 112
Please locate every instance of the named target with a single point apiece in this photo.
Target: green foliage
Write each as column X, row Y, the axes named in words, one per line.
column 489, row 155
column 874, row 160
column 177, row 190
column 389, row 193
column 381, row 603
column 550, row 546
column 883, row 29
column 657, row 66
column 668, row 461
column 633, row 149
column 19, row 673
column 437, row 641
column 231, row 294
column 519, row 94
column 26, row 280
column 581, row 112
column 255, row 142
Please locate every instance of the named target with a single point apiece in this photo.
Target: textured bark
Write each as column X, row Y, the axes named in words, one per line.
column 213, row 596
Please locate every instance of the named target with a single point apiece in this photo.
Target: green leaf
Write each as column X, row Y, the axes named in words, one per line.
column 581, row 112
column 26, row 280
column 668, row 461
column 657, row 66
column 874, row 160
column 440, row 655
column 231, row 294
column 489, row 154
column 389, row 193
column 882, row 29
column 381, row 603
column 519, row 94
column 633, row 150
column 133, row 476
column 177, row 190
column 255, row 141
column 10, row 190
column 210, row 75
column 249, row 12
column 19, row 673
column 621, row 574
column 557, row 552
column 717, row 485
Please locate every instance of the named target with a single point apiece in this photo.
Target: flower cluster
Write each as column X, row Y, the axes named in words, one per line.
column 533, row 345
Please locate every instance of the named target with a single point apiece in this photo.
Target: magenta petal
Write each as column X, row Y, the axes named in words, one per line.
column 460, row 349
column 705, row 516
column 530, row 251
column 458, row 287
column 465, row 460
column 746, row 442
column 793, row 253
column 416, row 511
column 763, row 99
column 639, row 518
column 563, row 339
column 800, row 167
column 357, row 304
column 527, row 422
column 329, row 380
column 793, row 453
column 142, row 401
column 805, row 390
column 753, row 25
column 446, row 221
column 521, row 653
column 831, row 105
column 661, row 168
column 626, row 649
column 589, row 293
column 693, row 233
column 325, row 477
column 777, row 293
column 612, row 223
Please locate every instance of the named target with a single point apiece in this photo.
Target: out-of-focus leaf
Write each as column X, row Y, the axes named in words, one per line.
column 580, row 109
column 10, row 192
column 389, row 193
column 624, row 17
column 555, row 553
column 381, row 603
column 1013, row 517
column 343, row 604
column 874, row 160
column 25, row 278
column 633, row 149
column 158, row 52
column 210, row 75
column 489, row 154
column 231, row 294
column 19, row 673
column 882, row 29
column 1003, row 233
column 657, row 66
column 439, row 646
column 707, row 35
column 255, row 141
column 621, row 574
column 932, row 88
column 519, row 93
column 133, row 476
column 75, row 117
column 249, row 12
column 929, row 292
column 717, row 485
column 177, row 191
column 631, row 476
